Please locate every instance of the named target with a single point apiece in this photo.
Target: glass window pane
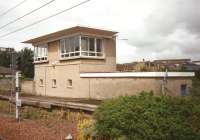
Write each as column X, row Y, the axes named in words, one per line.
column 39, row 52
column 62, row 45
column 91, row 54
column 35, row 51
column 71, row 43
column 76, row 43
column 67, row 45
column 84, row 43
column 99, row 45
column 45, row 51
column 91, row 46
column 42, row 51
column 84, row 53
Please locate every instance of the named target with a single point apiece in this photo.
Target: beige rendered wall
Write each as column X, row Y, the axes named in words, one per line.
column 102, row 88
column 63, row 70
column 28, row 87
column 108, row 64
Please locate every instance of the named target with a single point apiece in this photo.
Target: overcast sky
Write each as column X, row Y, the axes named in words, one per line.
column 155, row 29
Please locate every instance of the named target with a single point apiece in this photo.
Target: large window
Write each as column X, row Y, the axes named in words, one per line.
column 81, row 46
column 70, row 47
column 40, row 53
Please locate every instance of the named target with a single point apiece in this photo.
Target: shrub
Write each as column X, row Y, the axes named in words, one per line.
column 148, row 117
column 195, row 90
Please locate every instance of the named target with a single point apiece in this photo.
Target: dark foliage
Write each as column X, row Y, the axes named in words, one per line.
column 195, row 90
column 5, row 59
column 22, row 59
column 24, row 62
column 148, row 117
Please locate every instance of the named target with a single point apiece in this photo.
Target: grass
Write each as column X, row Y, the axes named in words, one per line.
column 27, row 112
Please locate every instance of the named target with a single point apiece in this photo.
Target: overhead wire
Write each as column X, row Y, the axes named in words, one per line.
column 12, row 8
column 17, row 19
column 36, row 22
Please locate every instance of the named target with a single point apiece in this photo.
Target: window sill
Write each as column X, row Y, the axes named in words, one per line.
column 69, row 87
column 82, row 57
column 42, row 61
column 53, row 86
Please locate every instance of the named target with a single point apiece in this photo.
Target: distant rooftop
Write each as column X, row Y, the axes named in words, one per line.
column 6, row 49
column 168, row 60
column 72, row 30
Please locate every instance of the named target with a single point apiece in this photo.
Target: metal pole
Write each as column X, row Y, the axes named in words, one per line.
column 17, row 101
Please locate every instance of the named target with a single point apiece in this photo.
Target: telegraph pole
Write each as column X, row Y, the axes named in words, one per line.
column 17, row 100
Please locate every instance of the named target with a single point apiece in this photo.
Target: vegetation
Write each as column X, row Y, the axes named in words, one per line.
column 77, row 123
column 24, row 61
column 148, row 117
column 5, row 59
column 195, row 90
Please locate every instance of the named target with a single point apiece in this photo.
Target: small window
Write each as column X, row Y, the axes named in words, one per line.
column 54, row 83
column 184, row 90
column 41, row 82
column 69, row 83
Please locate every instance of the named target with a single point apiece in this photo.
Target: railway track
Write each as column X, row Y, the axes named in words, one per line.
column 50, row 103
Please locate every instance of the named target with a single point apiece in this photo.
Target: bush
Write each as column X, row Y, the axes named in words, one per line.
column 195, row 90
column 148, row 117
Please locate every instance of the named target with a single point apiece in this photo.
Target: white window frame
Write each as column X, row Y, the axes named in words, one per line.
column 42, row 57
column 71, row 55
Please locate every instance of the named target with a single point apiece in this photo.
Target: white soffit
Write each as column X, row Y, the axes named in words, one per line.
column 137, row 74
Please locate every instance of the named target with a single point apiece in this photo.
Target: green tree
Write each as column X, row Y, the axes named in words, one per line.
column 5, row 59
column 195, row 90
column 25, row 62
column 148, row 117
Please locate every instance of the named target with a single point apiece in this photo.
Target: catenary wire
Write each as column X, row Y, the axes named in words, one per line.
column 29, row 25
column 7, row 11
column 13, row 21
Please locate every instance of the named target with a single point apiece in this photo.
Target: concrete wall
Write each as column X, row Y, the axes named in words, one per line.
column 103, row 88
column 61, row 74
column 5, row 84
column 100, row 88
column 28, row 87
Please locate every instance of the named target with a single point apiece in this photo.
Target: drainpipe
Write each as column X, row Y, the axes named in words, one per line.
column 45, row 88
column 89, row 89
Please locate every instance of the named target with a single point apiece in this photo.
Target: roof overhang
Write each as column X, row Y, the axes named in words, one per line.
column 72, row 31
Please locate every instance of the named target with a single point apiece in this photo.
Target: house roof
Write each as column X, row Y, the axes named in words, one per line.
column 172, row 60
column 4, row 70
column 73, row 30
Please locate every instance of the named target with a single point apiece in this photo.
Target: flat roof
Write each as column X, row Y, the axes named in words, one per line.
column 137, row 74
column 72, row 30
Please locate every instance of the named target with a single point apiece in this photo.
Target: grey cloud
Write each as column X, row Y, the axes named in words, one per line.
column 171, row 31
